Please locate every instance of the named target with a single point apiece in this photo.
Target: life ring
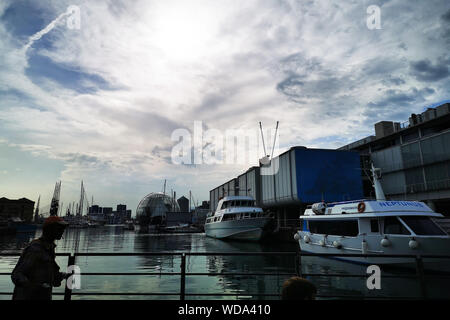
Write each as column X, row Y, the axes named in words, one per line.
column 361, row 207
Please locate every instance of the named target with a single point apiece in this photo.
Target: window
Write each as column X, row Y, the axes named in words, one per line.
column 348, row 228
column 227, row 217
column 208, row 220
column 374, row 227
column 393, row 226
column 423, row 226
column 253, row 214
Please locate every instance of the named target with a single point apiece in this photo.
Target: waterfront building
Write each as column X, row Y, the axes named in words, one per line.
column 96, row 214
column 297, row 178
column 21, row 208
column 183, row 202
column 414, row 158
column 153, row 208
column 199, row 214
column 107, row 215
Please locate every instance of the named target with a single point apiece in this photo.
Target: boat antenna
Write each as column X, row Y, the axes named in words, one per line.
column 379, row 194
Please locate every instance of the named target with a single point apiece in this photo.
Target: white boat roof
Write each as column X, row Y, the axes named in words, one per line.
column 373, row 208
column 227, row 198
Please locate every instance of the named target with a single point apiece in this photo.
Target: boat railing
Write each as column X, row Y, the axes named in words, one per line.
column 420, row 274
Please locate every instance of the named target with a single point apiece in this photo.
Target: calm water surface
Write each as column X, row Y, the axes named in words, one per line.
column 116, row 239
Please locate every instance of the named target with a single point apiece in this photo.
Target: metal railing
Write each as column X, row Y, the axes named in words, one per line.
column 420, row 274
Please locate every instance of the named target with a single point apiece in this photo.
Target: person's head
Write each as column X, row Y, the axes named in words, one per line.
column 53, row 228
column 297, row 288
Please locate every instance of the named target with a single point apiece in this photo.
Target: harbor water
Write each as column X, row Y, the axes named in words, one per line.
column 117, row 240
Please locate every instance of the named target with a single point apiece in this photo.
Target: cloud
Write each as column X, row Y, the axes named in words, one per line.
column 425, row 70
column 105, row 99
column 446, row 16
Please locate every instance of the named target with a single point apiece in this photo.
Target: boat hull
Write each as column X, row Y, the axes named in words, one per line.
column 245, row 229
column 399, row 245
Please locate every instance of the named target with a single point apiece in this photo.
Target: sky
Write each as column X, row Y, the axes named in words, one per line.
column 95, row 93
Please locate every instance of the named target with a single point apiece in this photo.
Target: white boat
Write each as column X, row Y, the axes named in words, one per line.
column 378, row 227
column 238, row 217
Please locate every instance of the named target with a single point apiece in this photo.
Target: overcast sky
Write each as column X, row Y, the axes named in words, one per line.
column 100, row 103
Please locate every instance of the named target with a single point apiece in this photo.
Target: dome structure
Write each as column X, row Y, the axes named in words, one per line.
column 153, row 208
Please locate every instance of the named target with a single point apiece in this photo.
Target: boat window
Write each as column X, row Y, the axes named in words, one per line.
column 393, row 226
column 208, row 220
column 228, row 217
column 423, row 226
column 253, row 214
column 232, row 203
column 347, row 228
column 246, row 215
column 374, row 227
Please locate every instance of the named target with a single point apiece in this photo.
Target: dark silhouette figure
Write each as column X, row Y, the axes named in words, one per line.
column 297, row 288
column 36, row 271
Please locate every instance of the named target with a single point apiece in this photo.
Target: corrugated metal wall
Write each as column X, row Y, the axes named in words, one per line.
column 303, row 176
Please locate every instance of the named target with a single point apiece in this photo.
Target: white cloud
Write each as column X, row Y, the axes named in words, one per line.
column 172, row 62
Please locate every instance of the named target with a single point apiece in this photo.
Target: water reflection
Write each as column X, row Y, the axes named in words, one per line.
column 116, row 239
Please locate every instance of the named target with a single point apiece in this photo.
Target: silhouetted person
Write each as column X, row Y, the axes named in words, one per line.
column 36, row 271
column 297, row 288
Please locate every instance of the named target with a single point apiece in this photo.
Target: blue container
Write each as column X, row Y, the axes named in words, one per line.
column 306, row 176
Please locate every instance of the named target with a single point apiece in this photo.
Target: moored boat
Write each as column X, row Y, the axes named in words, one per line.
column 376, row 227
column 238, row 217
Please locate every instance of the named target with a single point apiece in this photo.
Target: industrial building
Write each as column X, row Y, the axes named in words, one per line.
column 304, row 176
column 107, row 215
column 20, row 208
column 414, row 158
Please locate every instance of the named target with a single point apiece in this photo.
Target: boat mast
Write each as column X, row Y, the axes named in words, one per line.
column 379, row 194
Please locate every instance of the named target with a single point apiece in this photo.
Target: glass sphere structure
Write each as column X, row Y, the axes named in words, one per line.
column 152, row 209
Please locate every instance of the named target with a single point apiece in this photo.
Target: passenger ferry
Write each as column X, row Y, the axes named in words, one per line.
column 238, row 217
column 375, row 227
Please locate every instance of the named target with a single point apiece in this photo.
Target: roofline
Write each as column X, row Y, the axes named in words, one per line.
column 372, row 214
column 444, row 117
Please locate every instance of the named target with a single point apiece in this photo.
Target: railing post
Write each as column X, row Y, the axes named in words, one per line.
column 420, row 276
column 183, row 276
column 298, row 263
column 68, row 291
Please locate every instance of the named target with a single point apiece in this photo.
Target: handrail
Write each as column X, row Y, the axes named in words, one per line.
column 420, row 272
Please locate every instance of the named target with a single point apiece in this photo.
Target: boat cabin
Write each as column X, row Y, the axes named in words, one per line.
column 351, row 219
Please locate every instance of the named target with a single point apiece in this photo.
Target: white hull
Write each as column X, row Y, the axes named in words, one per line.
column 399, row 245
column 245, row 229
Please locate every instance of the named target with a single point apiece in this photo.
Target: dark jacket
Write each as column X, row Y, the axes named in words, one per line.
column 35, row 268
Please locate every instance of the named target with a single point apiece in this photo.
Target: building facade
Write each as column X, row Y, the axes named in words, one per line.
column 298, row 177
column 414, row 158
column 21, row 208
